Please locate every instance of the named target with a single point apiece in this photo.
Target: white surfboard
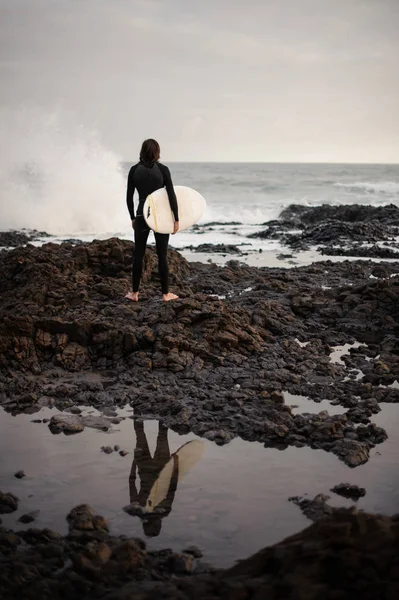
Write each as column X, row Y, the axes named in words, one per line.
column 188, row 454
column 158, row 214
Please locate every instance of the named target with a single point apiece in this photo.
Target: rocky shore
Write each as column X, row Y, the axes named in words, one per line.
column 12, row 239
column 346, row 554
column 214, row 367
column 352, row 230
column 218, row 362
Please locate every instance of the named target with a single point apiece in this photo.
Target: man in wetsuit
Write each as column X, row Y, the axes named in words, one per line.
column 147, row 176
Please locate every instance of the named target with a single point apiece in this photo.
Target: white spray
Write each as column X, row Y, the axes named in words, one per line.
column 57, row 176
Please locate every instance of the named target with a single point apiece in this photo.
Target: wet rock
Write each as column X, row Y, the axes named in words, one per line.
column 19, row 474
column 102, row 423
column 277, row 397
column 352, row 452
column 216, row 248
column 107, row 449
column 334, row 233
column 298, row 214
column 222, row 362
column 76, row 423
column 127, row 556
column 66, row 424
column 182, row 564
column 8, row 541
column 121, row 569
column 359, row 250
column 12, row 239
column 219, row 436
column 316, row 509
column 94, row 556
column 8, row 503
column 37, row 537
column 348, row 490
column 336, row 230
column 29, row 517
column 123, row 452
column 82, row 518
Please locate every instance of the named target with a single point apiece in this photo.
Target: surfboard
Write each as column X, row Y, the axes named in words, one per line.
column 158, row 214
column 188, row 454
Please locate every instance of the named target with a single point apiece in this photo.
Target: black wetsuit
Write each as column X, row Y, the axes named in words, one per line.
column 147, row 178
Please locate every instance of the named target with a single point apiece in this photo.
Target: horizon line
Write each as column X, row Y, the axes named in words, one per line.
column 275, row 162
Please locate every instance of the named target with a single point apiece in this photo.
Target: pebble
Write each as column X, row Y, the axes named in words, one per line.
column 28, row 517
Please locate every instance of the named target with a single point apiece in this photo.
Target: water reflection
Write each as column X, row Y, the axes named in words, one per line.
column 159, row 476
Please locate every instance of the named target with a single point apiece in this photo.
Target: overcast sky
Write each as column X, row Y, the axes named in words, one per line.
column 247, row 80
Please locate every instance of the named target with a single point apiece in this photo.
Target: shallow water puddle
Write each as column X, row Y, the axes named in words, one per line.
column 392, row 386
column 301, row 344
column 354, row 375
column 303, row 404
column 340, row 351
column 230, row 501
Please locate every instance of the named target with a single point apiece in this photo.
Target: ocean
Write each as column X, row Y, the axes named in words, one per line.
column 58, row 177
column 70, row 204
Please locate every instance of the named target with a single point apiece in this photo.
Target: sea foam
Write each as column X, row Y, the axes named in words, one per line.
column 57, row 175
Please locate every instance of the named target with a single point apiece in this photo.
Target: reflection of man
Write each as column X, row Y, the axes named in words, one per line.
column 149, row 469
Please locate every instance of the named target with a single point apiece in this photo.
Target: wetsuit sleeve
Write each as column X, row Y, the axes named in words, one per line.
column 130, row 192
column 171, row 192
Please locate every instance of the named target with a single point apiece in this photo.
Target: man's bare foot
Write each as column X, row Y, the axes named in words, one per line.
column 169, row 296
column 133, row 296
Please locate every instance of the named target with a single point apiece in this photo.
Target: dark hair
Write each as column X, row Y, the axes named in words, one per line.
column 152, row 526
column 150, row 152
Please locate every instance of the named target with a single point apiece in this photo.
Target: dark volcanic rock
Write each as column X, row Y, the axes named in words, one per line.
column 66, row 423
column 217, row 248
column 12, row 239
column 336, row 233
column 348, row 490
column 300, row 215
column 316, row 509
column 28, row 517
column 8, row 503
column 325, row 561
column 20, row 474
column 337, row 230
column 70, row 424
column 83, row 518
column 215, row 367
column 359, row 250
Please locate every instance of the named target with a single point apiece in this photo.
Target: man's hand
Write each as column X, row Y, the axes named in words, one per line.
column 175, row 227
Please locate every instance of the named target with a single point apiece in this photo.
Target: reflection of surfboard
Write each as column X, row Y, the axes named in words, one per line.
column 158, row 214
column 188, row 455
